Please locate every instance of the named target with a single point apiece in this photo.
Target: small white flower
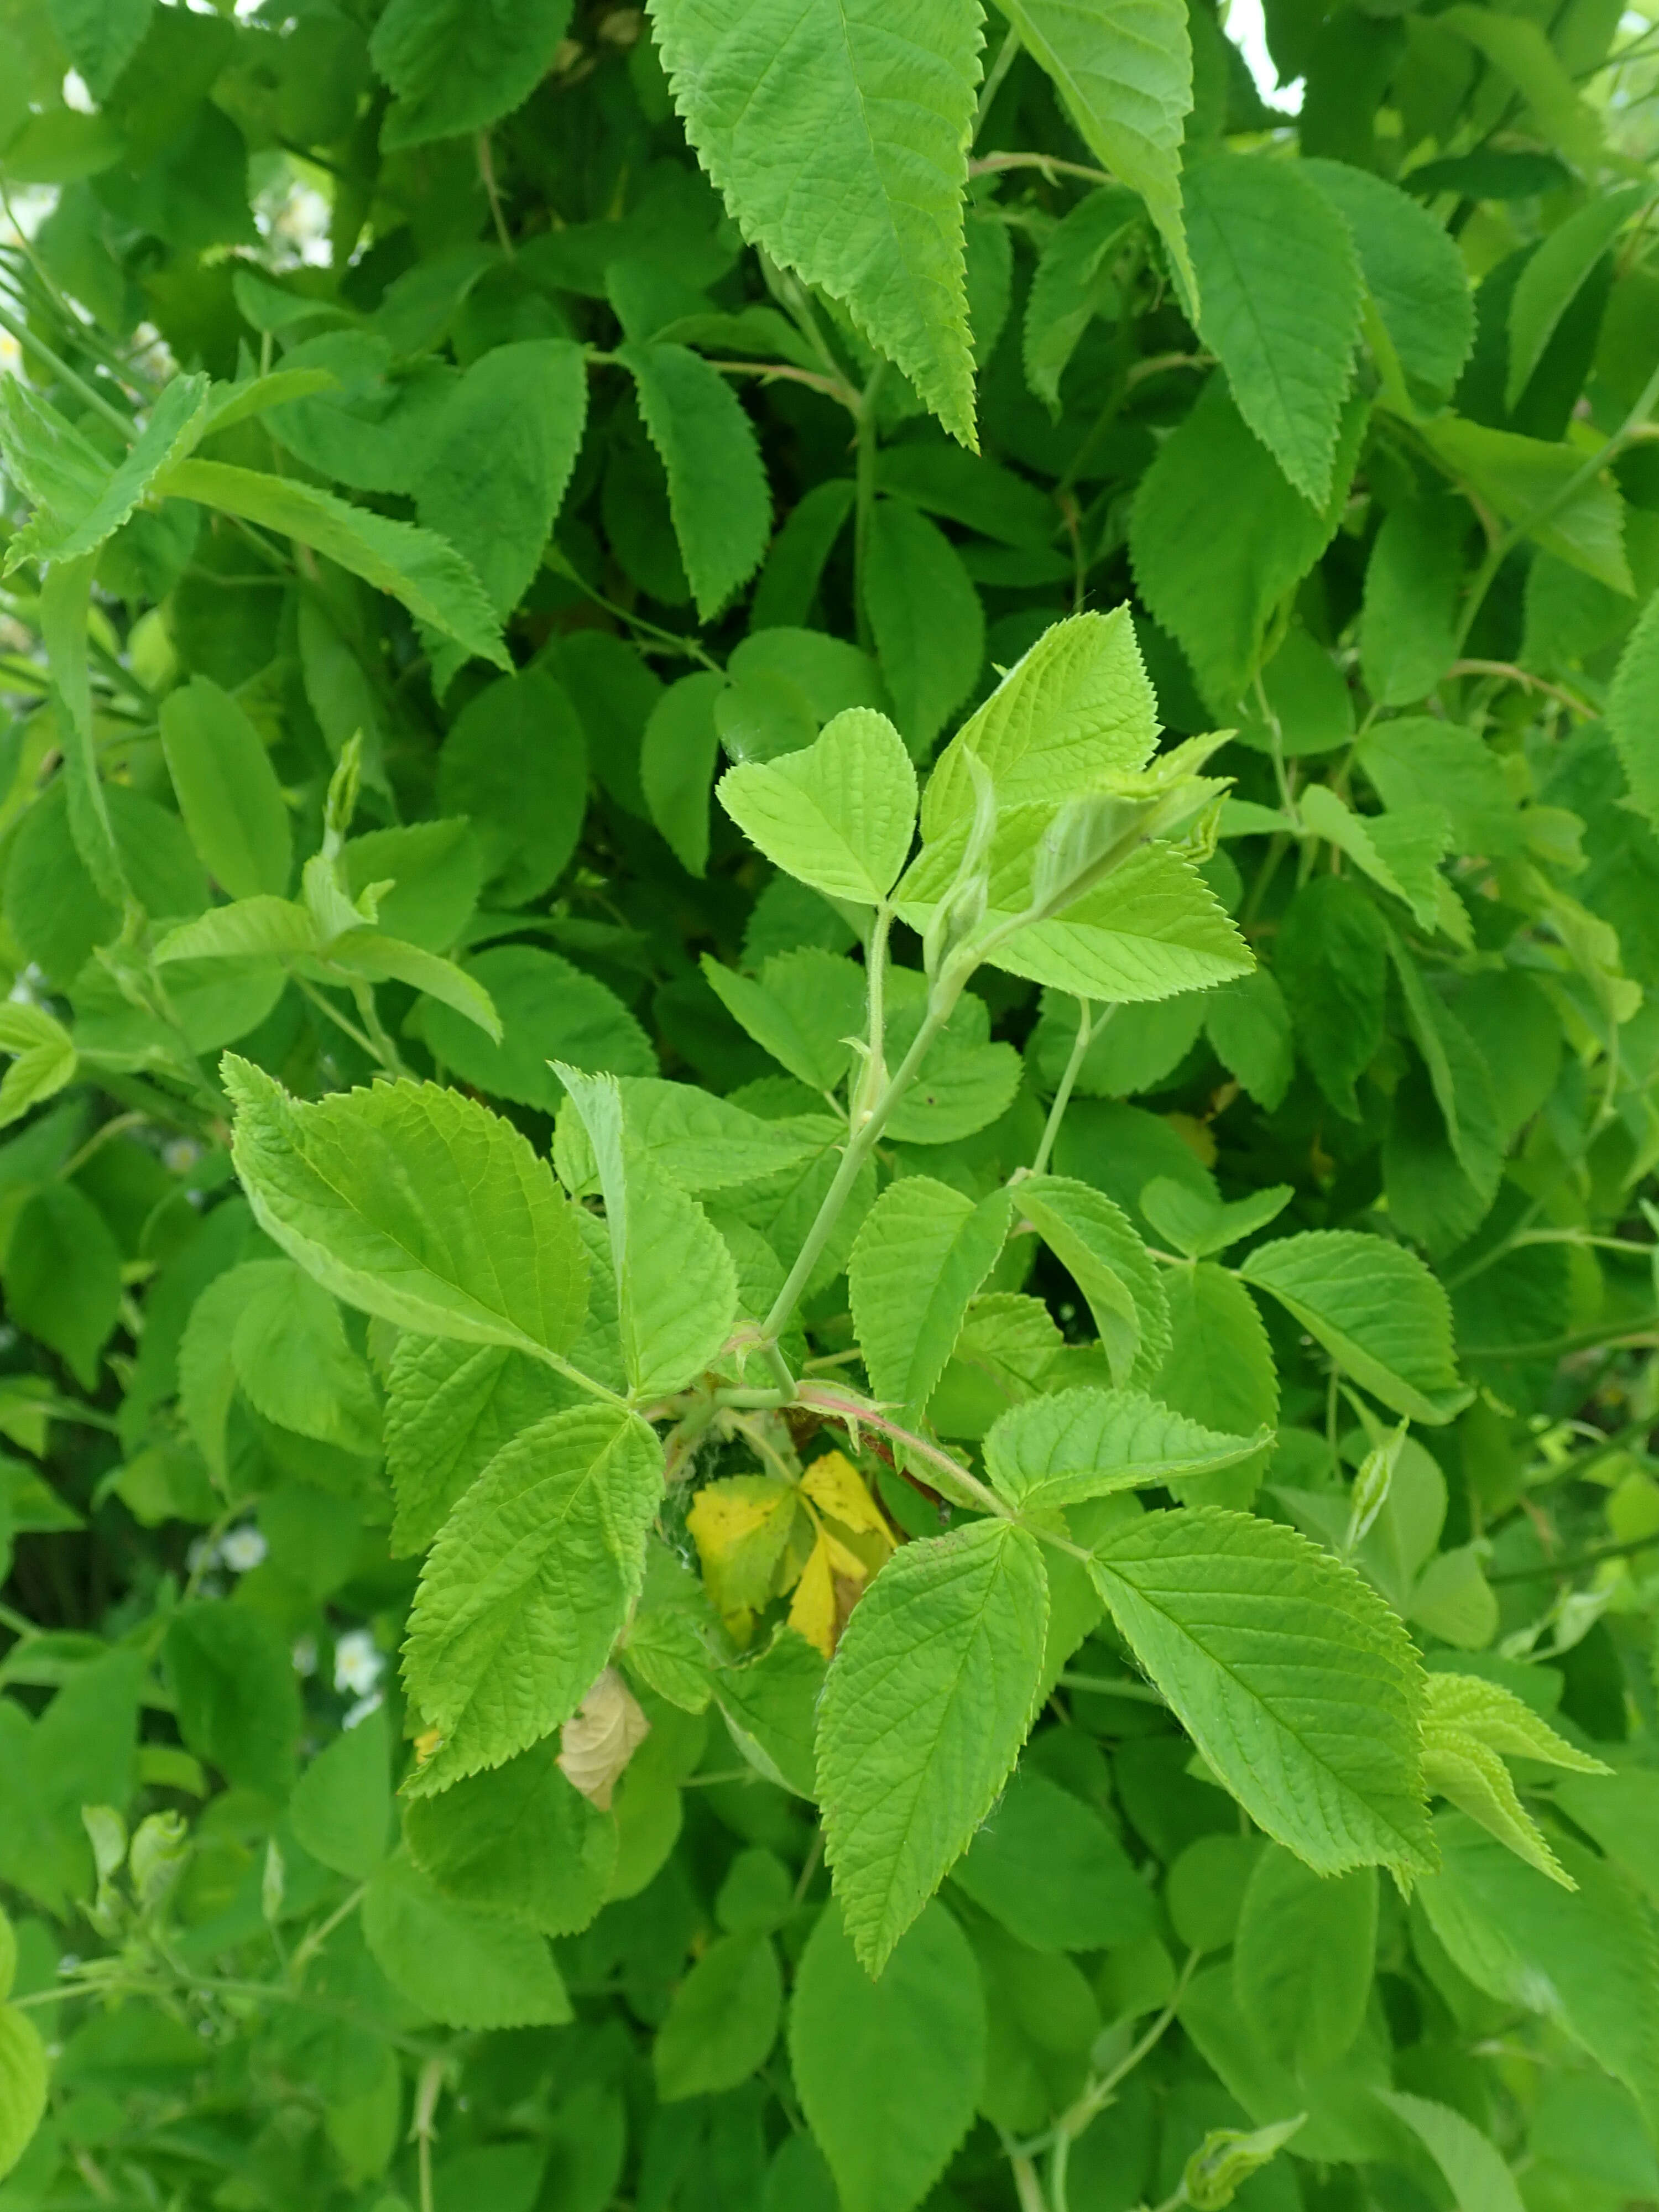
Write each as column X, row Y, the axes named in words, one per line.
column 362, row 1709
column 358, row 1664
column 243, row 1549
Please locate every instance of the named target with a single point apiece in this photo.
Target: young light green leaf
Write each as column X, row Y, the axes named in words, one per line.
column 802, row 1008
column 839, row 816
column 1085, row 1443
column 1095, row 1241
column 465, row 1968
column 1124, row 68
column 528, row 1585
column 1302, row 1958
column 717, row 488
column 1376, row 1309
column 1295, row 1680
column 24, row 2075
column 415, row 1204
column 925, row 1707
column 1074, row 711
column 455, row 71
column 1633, row 712
column 700, row 1143
column 43, row 1058
column 422, row 570
column 889, row 2072
column 1469, row 1725
column 876, row 108
column 1472, row 2162
column 675, row 1283
column 81, row 498
column 928, row 623
column 923, row 1252
column 227, row 790
column 1279, row 285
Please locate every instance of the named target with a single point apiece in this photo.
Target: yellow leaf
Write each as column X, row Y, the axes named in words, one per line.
column 743, row 1528
column 836, row 1488
column 812, row 1609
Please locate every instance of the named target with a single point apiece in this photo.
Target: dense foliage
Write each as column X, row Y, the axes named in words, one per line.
column 829, row 849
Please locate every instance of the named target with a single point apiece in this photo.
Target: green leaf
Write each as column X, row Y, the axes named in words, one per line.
column 81, row 498
column 1219, row 536
column 414, row 1204
column 1521, row 50
column 721, row 2021
column 548, row 1009
column 227, row 790
column 23, row 2081
column 926, row 1703
column 516, row 764
column 291, row 1355
column 1248, row 1024
column 1280, row 290
column 1633, row 712
column 802, row 1008
column 1586, row 1960
column 1083, row 1443
column 464, row 1968
column 1412, row 270
column 528, row 1584
column 1124, row 68
column 1095, row 1242
column 700, row 1143
column 928, row 623
column 770, row 1705
column 61, row 1275
column 1048, row 1868
column 341, row 1809
column 964, row 1082
column 1376, row 1309
column 1198, row 1226
column 889, row 2072
column 250, row 928
column 717, row 490
column 1219, row 1371
column 1072, row 283
column 499, row 454
column 923, row 1252
column 43, row 1058
column 424, row 571
column 239, row 1706
column 1555, row 275
column 520, row 1841
column 100, row 37
column 876, row 109
column 1536, row 487
column 450, row 1407
column 1400, row 851
column 675, row 1283
column 1408, row 629
column 1295, row 1680
column 839, row 816
column 455, row 71
column 1472, row 2163
column 678, row 755
column 1302, row 1958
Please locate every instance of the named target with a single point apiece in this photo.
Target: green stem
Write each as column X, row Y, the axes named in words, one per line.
column 61, row 369
column 864, row 505
column 1063, row 1094
column 1007, row 54
column 384, row 1049
column 859, row 1145
column 859, row 1413
column 1072, row 2123
column 1576, row 1562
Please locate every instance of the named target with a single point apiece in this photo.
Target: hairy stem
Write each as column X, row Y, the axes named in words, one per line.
column 1085, row 1027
